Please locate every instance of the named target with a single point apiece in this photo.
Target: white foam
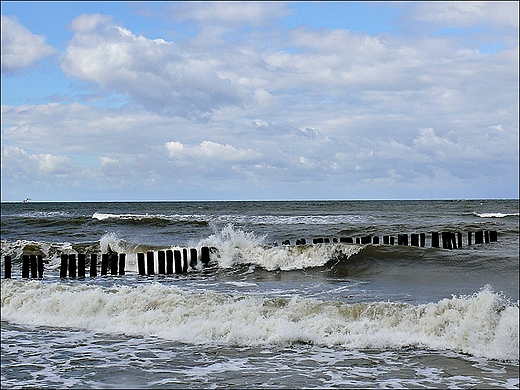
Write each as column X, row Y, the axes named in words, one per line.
column 291, row 219
column 143, row 217
column 112, row 241
column 15, row 248
column 240, row 219
column 483, row 324
column 238, row 247
column 496, row 215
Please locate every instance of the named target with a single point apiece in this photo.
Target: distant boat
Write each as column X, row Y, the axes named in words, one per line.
column 26, row 200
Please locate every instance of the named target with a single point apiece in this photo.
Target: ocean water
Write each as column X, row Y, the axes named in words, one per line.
column 263, row 314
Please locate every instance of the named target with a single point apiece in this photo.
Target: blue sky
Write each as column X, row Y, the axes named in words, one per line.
column 259, row 100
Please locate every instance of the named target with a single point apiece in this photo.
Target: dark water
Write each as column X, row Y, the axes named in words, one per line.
column 262, row 314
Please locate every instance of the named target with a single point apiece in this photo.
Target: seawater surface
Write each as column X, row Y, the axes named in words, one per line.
column 263, row 314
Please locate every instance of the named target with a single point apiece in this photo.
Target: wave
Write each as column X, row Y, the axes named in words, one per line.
column 40, row 215
column 236, row 219
column 153, row 219
column 484, row 324
column 496, row 215
column 235, row 247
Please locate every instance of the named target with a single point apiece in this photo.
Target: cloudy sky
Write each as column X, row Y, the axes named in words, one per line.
column 259, row 100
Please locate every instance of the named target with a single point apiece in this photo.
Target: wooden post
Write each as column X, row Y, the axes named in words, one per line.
column 469, row 238
column 193, row 257
column 93, row 264
column 414, row 239
column 178, row 261
column 161, row 259
column 64, row 262
column 185, row 260
column 140, row 264
column 25, row 266
column 204, row 255
column 81, row 265
column 169, row 262
column 459, row 237
column 122, row 263
column 7, row 267
column 493, row 236
column 34, row 266
column 446, row 240
column 422, row 237
column 149, row 263
column 72, row 265
column 113, row 264
column 453, row 240
column 104, row 264
column 435, row 240
column 40, row 266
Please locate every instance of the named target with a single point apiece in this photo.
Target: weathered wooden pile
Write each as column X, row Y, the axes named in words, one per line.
column 177, row 261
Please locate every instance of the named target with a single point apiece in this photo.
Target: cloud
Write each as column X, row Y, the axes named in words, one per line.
column 88, row 24
column 20, row 47
column 153, row 72
column 272, row 113
column 230, row 14
column 15, row 159
column 468, row 13
column 211, row 154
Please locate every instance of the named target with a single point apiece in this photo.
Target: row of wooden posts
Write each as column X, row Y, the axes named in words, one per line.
column 177, row 261
column 450, row 240
column 169, row 261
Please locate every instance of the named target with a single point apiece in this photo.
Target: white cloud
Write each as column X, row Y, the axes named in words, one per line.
column 252, row 115
column 213, row 151
column 153, row 72
column 107, row 160
column 53, row 165
column 87, row 24
column 469, row 13
column 230, row 14
column 15, row 159
column 20, row 47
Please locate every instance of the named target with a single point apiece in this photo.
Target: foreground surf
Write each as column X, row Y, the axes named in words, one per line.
column 483, row 325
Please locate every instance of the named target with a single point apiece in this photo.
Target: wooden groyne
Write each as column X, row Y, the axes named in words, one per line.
column 75, row 266
column 178, row 261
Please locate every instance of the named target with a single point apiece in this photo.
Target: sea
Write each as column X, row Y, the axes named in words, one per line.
column 264, row 312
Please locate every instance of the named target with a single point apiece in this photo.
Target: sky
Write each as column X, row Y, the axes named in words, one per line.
column 131, row 101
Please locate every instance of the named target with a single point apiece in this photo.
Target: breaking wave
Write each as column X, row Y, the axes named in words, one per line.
column 484, row 324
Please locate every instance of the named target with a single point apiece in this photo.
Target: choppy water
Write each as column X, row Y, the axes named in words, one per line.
column 264, row 314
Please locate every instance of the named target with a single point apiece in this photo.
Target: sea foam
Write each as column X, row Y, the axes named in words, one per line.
column 484, row 324
column 496, row 215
